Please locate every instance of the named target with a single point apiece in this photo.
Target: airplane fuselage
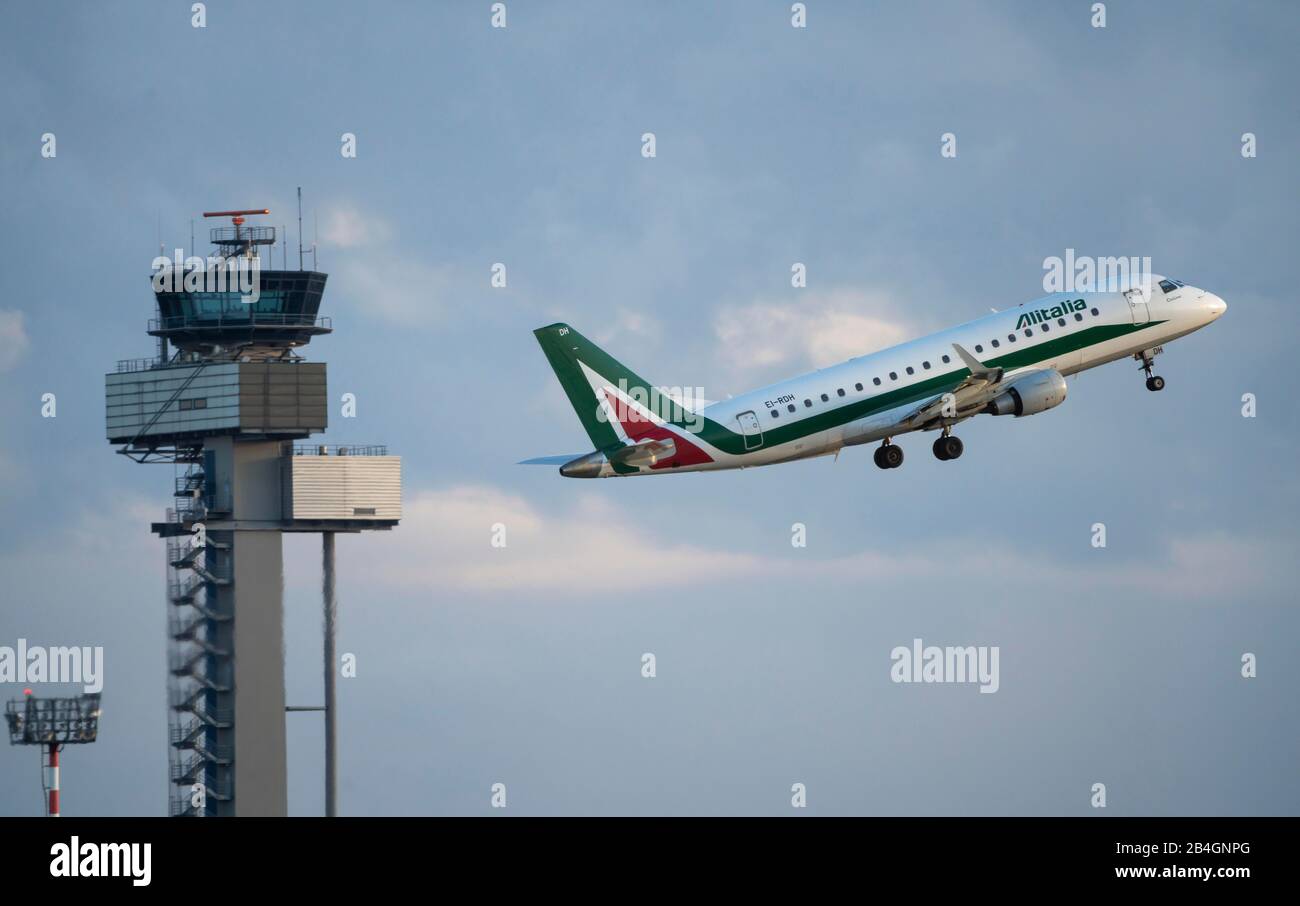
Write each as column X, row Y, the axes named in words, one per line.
column 870, row 398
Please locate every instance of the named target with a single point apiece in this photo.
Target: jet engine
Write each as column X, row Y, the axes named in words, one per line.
column 1036, row 392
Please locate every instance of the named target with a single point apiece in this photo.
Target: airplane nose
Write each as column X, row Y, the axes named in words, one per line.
column 1214, row 305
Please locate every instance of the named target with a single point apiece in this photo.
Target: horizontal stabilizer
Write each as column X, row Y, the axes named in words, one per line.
column 549, row 460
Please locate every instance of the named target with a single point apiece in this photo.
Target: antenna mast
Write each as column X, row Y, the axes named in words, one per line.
column 300, row 228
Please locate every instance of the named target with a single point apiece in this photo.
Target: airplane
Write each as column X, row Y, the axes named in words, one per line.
column 1012, row 362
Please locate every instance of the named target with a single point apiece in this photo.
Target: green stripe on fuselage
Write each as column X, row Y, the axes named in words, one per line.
column 733, row 442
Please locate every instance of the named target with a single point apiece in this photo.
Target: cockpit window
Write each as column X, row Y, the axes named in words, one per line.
column 1168, row 287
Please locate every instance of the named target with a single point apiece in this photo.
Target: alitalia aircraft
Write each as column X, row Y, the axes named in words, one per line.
column 1011, row 362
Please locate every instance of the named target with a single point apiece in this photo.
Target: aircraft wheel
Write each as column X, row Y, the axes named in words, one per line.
column 949, row 447
column 891, row 456
column 1155, row 382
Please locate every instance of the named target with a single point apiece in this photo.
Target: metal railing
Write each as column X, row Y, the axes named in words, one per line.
column 260, row 235
column 232, row 319
column 125, row 366
column 336, row 450
column 189, row 482
column 183, row 589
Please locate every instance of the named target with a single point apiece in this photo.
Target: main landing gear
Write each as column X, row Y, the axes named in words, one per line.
column 946, row 446
column 1154, row 381
column 889, row 455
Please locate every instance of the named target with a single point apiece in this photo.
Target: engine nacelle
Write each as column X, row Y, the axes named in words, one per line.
column 1035, row 392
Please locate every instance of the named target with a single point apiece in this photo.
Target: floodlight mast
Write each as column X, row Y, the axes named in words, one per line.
column 52, row 723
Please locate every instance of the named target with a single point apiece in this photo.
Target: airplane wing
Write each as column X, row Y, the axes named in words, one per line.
column 965, row 399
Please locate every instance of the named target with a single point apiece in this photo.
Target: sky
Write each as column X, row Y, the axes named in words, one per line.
column 522, row 145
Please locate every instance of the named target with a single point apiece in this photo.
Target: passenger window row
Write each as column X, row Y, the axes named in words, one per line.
column 1043, row 327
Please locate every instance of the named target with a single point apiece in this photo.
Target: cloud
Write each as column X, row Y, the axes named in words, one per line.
column 590, row 547
column 595, row 546
column 632, row 329
column 397, row 289
column 368, row 270
column 815, row 330
column 112, row 533
column 13, row 338
column 1212, row 566
column 348, row 227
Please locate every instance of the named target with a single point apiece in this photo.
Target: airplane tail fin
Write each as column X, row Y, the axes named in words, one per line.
column 596, row 384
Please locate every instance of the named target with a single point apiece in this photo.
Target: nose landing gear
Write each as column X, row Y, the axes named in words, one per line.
column 1147, row 357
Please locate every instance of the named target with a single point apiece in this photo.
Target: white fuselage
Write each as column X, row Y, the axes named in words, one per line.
column 800, row 417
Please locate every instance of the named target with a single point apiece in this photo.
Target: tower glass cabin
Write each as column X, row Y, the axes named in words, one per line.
column 214, row 313
column 228, row 400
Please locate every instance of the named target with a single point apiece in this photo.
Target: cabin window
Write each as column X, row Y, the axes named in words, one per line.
column 1078, row 317
column 946, row 360
column 774, row 413
column 1095, row 312
column 825, row 398
column 909, row 370
column 859, row 386
column 807, row 404
column 925, row 365
column 1043, row 328
column 979, row 348
column 1011, row 338
column 893, row 375
column 840, row 392
column 1029, row 331
column 1060, row 322
column 790, row 407
column 995, row 343
column 876, row 381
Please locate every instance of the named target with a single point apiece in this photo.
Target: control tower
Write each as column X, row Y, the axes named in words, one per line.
column 228, row 400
